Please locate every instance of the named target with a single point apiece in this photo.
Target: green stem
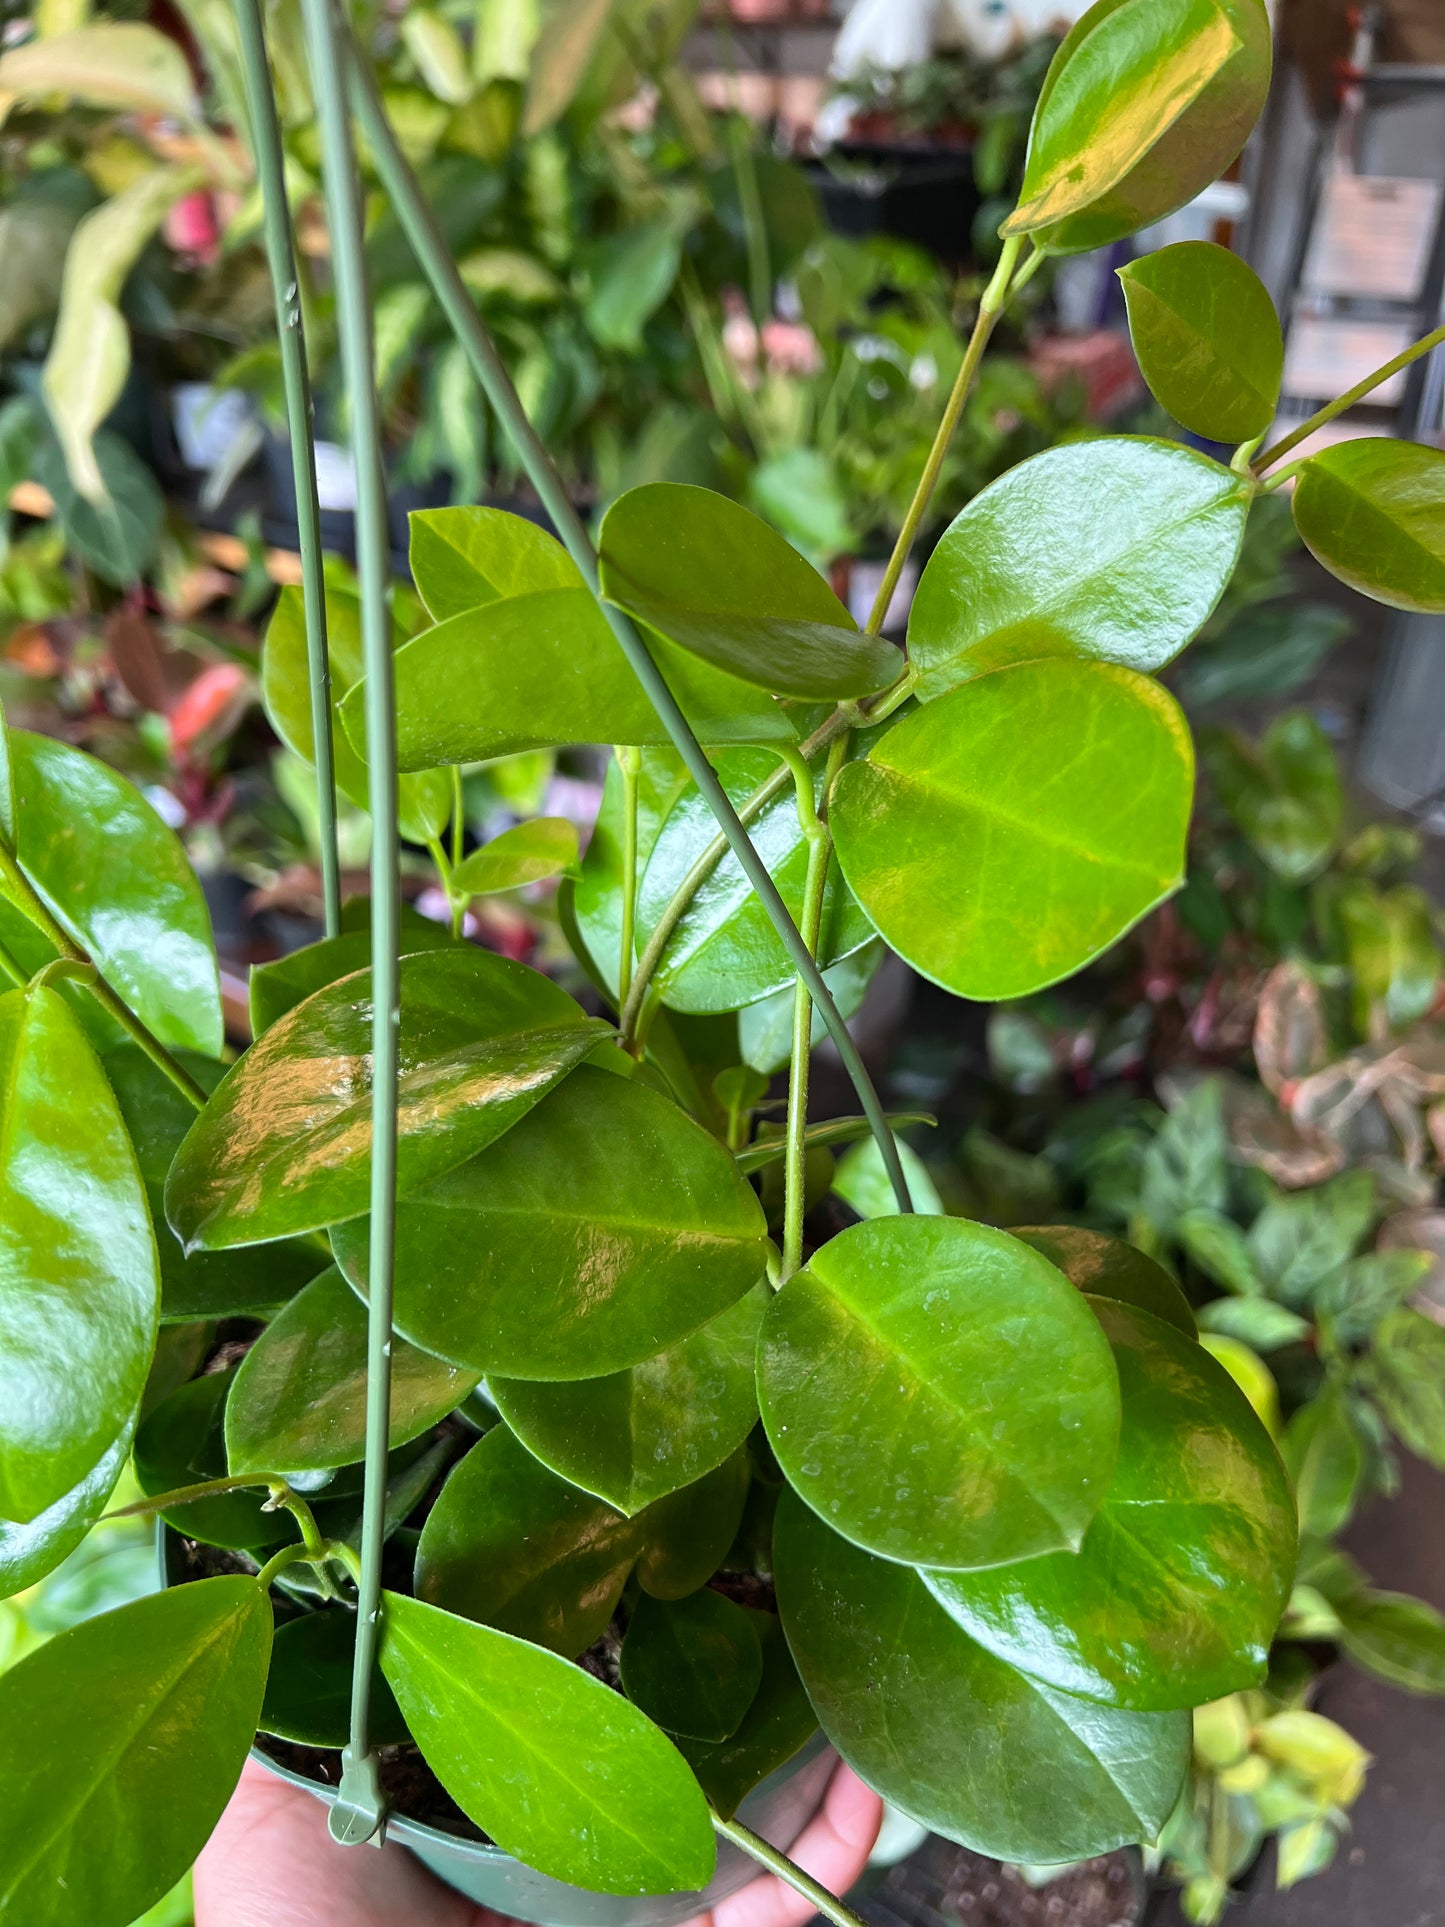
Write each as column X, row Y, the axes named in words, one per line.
column 13, row 970
column 755, row 232
column 820, row 849
column 22, row 894
column 629, row 762
column 1356, row 394
column 360, row 1807
column 768, row 1856
column 279, row 1561
column 286, row 286
column 206, row 1489
column 431, row 250
column 459, row 830
column 995, row 300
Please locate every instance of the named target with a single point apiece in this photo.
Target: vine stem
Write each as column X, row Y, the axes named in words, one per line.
column 206, row 1489
column 358, row 1814
column 459, row 832
column 778, row 1863
column 1426, row 345
column 629, row 764
column 20, row 890
column 300, row 419
column 995, row 300
column 820, row 850
column 431, row 251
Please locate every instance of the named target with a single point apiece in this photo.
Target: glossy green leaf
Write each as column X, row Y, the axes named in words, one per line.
column 1326, row 1459
column 1257, row 1322
column 777, row 1725
column 1114, row 550
column 122, row 886
column 1108, row 1268
column 284, row 1145
column 940, row 1394
column 714, row 578
column 558, row 1769
column 765, row 1030
column 28, row 1552
column 464, row 557
column 1398, row 1639
column 7, row 786
column 280, row 986
column 1175, row 1594
column 636, row 1435
column 957, row 1739
column 120, row 1744
column 1283, row 791
column 542, row 667
column 308, row 1686
column 862, row 1181
column 693, row 1665
column 1207, row 338
column 1373, row 512
column 183, row 1442
column 79, row 1284
column 602, row 1229
column 725, row 953
column 208, row 1284
column 299, row 1399
column 1046, row 804
column 424, row 799
column 1143, row 107
column 544, row 847
column 511, row 1545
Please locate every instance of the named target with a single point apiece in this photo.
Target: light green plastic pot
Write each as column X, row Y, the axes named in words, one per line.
column 778, row 1808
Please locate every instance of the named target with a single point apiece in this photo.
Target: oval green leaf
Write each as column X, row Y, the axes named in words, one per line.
column 183, row 1442
column 940, row 1394
column 959, row 1740
column 511, row 1545
column 714, row 578
column 693, row 1665
column 1396, row 1638
column 527, row 853
column 120, row 1743
column 636, row 1435
column 724, row 953
column 1177, row 1591
column 1114, row 550
column 560, row 1771
column 1373, row 512
column 1143, row 107
column 1207, row 338
column 1284, row 791
column 778, row 1724
column 280, row 986
column 208, row 1284
column 28, row 1552
column 79, row 1281
column 308, row 1685
column 1108, row 1268
column 284, row 1145
column 425, row 799
column 298, row 1402
column 541, row 669
column 463, row 557
column 1046, row 804
column 119, row 881
column 603, row 1228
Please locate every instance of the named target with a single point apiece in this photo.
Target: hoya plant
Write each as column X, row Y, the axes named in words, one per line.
column 494, row 1333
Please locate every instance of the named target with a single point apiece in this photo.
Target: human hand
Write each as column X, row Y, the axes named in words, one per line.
column 272, row 1863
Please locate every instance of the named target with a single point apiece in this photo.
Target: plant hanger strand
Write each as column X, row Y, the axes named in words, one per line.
column 431, row 252
column 1406, row 357
column 359, row 1810
column 300, row 428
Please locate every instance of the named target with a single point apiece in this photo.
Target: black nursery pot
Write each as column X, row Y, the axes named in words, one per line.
column 918, row 194
column 778, row 1808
